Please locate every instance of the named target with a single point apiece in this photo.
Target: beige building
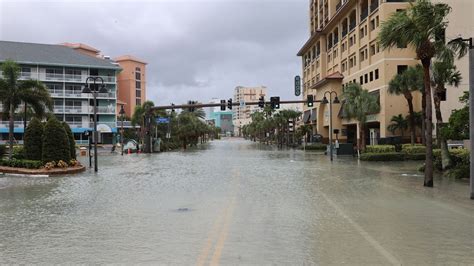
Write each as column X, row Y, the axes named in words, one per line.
column 343, row 48
column 241, row 115
column 131, row 83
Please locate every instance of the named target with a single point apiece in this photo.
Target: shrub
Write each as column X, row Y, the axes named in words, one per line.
column 416, row 149
column 34, row 140
column 30, row 164
column 62, row 164
column 380, row 149
column 415, row 156
column 55, row 142
column 72, row 142
column 18, row 153
column 460, row 167
column 388, row 156
column 316, row 147
column 2, row 151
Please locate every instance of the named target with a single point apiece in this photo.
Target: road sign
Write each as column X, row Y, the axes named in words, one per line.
column 297, row 86
column 162, row 120
column 242, row 103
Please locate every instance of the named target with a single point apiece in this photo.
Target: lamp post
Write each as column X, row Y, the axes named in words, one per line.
column 122, row 115
column 331, row 101
column 471, row 107
column 93, row 86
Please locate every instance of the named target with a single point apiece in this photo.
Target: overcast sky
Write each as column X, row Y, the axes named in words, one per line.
column 195, row 49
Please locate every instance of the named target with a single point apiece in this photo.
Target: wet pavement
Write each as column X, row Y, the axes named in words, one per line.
column 237, row 202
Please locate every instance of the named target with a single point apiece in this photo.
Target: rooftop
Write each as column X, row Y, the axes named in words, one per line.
column 50, row 54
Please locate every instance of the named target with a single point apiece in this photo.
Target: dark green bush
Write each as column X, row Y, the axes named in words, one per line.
column 30, row 164
column 415, row 156
column 72, row 142
column 388, row 156
column 55, row 142
column 460, row 167
column 3, row 150
column 316, row 147
column 18, row 153
column 34, row 140
column 416, row 149
column 380, row 149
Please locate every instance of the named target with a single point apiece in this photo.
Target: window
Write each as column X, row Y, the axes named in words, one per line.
column 137, row 69
column 354, row 81
column 137, row 76
column 372, row 24
column 366, row 76
column 376, row 74
column 371, row 76
column 58, row 103
column 343, row 46
column 25, row 72
column 73, row 89
column 362, row 56
column 361, row 80
column 138, row 85
column 401, row 69
column 373, row 49
column 138, row 93
column 138, row 102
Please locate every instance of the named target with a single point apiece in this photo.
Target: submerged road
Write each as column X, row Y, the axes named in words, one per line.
column 237, row 202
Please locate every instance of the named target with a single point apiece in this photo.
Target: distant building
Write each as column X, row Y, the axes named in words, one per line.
column 242, row 114
column 221, row 119
column 64, row 70
column 131, row 83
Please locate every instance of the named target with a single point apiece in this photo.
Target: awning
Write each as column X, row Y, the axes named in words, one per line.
column 306, row 116
column 103, row 128
column 314, row 115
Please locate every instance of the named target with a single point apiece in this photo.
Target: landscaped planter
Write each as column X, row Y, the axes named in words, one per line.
column 42, row 171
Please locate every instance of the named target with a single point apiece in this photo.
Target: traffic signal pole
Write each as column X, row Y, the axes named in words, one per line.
column 201, row 105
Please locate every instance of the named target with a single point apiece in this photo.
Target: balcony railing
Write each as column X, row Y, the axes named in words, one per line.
column 72, row 124
column 338, row 6
column 60, row 77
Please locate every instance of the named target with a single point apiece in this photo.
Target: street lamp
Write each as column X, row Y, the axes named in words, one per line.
column 330, row 101
column 471, row 106
column 93, row 86
column 122, row 115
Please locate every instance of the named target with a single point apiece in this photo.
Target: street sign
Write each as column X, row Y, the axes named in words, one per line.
column 242, row 103
column 162, row 120
column 297, row 86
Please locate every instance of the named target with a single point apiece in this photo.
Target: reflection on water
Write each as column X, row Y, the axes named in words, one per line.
column 237, row 202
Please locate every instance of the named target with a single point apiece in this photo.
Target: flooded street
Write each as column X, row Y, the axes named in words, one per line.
column 236, row 202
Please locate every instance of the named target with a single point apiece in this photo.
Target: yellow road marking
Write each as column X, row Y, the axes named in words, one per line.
column 223, row 235
column 212, row 235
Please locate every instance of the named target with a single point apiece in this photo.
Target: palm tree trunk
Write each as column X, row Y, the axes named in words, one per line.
column 412, row 118
column 428, row 125
column 10, row 131
column 362, row 137
column 446, row 160
column 423, row 116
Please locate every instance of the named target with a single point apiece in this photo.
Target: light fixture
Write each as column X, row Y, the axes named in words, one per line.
column 86, row 89
column 336, row 100
column 325, row 100
column 103, row 89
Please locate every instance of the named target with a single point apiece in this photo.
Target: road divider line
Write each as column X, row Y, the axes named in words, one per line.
column 223, row 234
column 213, row 234
column 374, row 243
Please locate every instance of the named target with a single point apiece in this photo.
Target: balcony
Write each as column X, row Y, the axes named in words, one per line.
column 103, row 109
column 338, row 6
column 60, row 77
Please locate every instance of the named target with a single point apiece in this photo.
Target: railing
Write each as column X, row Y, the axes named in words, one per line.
column 73, row 109
column 19, row 124
column 6, row 124
column 103, row 109
column 338, row 6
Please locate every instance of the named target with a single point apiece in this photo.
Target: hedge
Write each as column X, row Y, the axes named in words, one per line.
column 380, row 149
column 30, row 164
column 34, row 140
column 416, row 149
column 55, row 142
column 315, row 147
column 415, row 156
column 388, row 156
column 72, row 142
column 19, row 153
column 3, row 150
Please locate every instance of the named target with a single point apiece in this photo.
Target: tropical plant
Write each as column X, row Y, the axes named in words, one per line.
column 55, row 142
column 404, row 84
column 421, row 26
column 14, row 91
column 458, row 125
column 398, row 123
column 358, row 104
column 34, row 140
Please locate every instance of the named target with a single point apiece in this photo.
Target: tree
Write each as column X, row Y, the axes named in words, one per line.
column 398, row 123
column 14, row 91
column 404, row 84
column 55, row 142
column 421, row 26
column 72, row 142
column 458, row 126
column 358, row 104
column 34, row 140
column 138, row 118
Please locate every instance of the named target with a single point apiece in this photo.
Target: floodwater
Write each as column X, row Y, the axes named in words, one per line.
column 236, row 202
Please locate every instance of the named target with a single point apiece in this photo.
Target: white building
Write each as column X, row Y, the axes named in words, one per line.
column 241, row 115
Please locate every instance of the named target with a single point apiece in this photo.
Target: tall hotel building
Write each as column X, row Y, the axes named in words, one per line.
column 64, row 69
column 242, row 114
column 131, row 83
column 343, row 48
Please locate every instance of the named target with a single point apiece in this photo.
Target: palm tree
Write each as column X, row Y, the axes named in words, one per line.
column 404, row 84
column 138, row 117
column 443, row 73
column 14, row 91
column 398, row 123
column 421, row 26
column 358, row 104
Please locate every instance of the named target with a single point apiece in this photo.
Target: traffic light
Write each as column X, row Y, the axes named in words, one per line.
column 191, row 109
column 275, row 102
column 310, row 101
column 222, row 105
column 261, row 102
column 229, row 104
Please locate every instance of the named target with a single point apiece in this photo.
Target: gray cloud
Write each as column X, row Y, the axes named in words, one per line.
column 195, row 49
